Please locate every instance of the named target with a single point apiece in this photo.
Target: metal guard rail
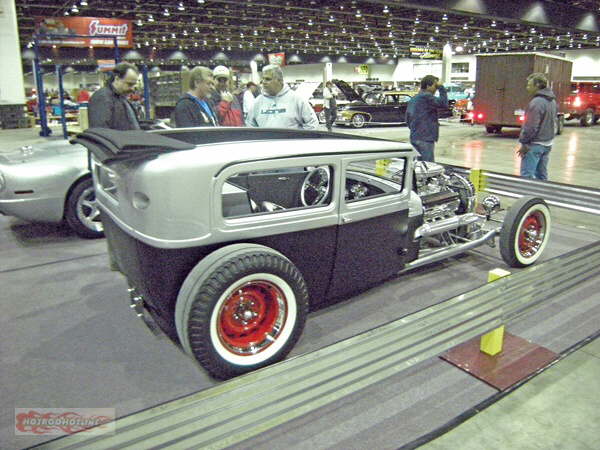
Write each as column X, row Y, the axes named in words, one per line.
column 578, row 198
column 236, row 410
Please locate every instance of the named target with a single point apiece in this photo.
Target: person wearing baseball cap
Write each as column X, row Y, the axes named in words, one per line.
column 227, row 105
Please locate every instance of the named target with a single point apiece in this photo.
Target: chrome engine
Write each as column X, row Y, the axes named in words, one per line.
column 443, row 195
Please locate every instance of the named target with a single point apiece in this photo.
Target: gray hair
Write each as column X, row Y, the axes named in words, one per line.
column 539, row 79
column 275, row 70
column 198, row 74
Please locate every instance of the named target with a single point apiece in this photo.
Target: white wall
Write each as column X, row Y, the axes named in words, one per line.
column 586, row 63
column 11, row 80
column 343, row 71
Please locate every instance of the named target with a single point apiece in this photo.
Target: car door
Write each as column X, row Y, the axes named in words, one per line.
column 373, row 236
column 387, row 111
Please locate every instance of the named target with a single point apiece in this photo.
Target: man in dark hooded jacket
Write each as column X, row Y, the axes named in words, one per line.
column 539, row 128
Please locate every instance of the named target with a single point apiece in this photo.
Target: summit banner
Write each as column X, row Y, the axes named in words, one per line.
column 69, row 27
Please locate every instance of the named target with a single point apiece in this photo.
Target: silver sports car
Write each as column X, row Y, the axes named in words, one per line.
column 50, row 182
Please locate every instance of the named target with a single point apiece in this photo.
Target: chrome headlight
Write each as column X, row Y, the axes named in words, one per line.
column 2, row 181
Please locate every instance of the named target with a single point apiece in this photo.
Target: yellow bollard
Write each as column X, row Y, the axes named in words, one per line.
column 491, row 343
column 478, row 179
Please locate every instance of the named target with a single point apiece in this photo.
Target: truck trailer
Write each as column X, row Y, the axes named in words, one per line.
column 501, row 96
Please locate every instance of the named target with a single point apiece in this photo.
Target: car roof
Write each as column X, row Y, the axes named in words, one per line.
column 224, row 146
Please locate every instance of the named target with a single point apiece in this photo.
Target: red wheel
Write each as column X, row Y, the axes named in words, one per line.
column 525, row 232
column 252, row 317
column 531, row 234
column 241, row 308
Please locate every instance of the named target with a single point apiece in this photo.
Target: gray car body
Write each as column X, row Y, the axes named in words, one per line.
column 172, row 217
column 38, row 178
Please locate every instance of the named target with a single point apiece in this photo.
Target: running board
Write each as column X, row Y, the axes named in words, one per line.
column 454, row 250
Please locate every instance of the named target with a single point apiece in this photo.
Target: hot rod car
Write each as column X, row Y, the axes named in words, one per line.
column 228, row 236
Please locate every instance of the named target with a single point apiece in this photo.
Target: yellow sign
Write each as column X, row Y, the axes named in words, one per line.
column 425, row 53
column 363, row 69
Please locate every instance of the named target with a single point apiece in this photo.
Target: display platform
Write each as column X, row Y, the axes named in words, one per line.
column 68, row 339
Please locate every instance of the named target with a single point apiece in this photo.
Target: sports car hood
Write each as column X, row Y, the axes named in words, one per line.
column 39, row 152
column 350, row 93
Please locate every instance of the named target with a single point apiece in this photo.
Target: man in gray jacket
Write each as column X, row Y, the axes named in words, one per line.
column 539, row 129
column 278, row 106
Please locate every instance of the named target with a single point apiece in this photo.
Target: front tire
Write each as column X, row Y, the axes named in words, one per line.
column 81, row 211
column 525, row 232
column 241, row 308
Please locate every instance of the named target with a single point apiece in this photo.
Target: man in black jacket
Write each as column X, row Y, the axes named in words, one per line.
column 194, row 109
column 109, row 107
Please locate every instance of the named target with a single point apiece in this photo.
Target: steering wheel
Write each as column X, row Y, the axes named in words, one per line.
column 315, row 187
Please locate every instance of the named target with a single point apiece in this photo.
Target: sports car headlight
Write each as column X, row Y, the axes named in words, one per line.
column 2, row 181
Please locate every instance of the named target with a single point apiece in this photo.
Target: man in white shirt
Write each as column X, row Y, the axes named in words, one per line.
column 249, row 96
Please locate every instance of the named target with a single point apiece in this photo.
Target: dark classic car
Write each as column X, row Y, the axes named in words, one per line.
column 377, row 107
column 227, row 236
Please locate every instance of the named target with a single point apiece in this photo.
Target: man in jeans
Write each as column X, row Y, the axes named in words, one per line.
column 539, row 129
column 422, row 116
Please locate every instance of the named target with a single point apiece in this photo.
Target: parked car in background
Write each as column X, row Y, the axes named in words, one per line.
column 378, row 108
column 50, row 182
column 227, row 238
column 584, row 103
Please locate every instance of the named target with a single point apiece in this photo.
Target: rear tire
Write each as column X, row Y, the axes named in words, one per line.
column 241, row 308
column 525, row 232
column 587, row 118
column 493, row 129
column 560, row 124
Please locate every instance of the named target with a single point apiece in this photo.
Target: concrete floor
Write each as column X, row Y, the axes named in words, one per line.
column 557, row 409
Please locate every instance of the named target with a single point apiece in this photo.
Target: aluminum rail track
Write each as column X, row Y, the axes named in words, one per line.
column 578, row 198
column 236, row 410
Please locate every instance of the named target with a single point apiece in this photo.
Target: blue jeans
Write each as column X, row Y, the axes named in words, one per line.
column 535, row 162
column 425, row 148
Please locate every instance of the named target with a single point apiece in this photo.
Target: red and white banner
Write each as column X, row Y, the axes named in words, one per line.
column 68, row 27
column 277, row 58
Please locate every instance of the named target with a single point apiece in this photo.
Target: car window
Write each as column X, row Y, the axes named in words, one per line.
column 276, row 190
column 403, row 98
column 391, row 99
column 372, row 99
column 373, row 177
